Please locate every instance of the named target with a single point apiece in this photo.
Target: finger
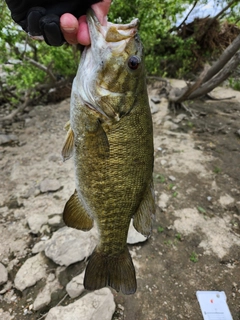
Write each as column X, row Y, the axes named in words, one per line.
column 69, row 27
column 34, row 16
column 50, row 27
column 101, row 10
column 83, row 36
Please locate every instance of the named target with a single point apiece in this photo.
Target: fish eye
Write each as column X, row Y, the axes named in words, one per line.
column 133, row 62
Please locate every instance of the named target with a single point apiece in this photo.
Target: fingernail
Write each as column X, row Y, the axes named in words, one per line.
column 69, row 30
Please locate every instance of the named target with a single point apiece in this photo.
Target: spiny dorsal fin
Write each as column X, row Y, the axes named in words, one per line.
column 67, row 150
column 142, row 220
column 115, row 271
column 75, row 215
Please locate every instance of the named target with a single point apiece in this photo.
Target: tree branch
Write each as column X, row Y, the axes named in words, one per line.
column 42, row 67
column 19, row 109
column 217, row 79
column 227, row 54
column 187, row 91
column 185, row 19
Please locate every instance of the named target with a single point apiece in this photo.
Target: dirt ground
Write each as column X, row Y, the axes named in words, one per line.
column 195, row 244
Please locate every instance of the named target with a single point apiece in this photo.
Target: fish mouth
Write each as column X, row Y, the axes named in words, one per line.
column 115, row 36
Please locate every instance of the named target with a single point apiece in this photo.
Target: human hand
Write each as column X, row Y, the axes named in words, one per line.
column 76, row 30
column 44, row 20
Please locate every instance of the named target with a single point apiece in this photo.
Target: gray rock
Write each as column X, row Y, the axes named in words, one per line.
column 44, row 297
column 180, row 117
column 69, row 245
column 8, row 139
column 6, row 288
column 163, row 201
column 134, row 236
column 172, row 178
column 156, row 99
column 170, row 126
column 154, row 108
column 238, row 133
column 49, row 185
column 75, row 286
column 33, row 270
column 55, row 221
column 5, row 315
column 36, row 221
column 39, row 247
column 93, row 306
column 3, row 274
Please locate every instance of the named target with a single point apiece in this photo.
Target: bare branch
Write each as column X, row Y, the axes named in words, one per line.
column 42, row 67
column 225, row 9
column 217, row 79
column 185, row 19
column 187, row 91
column 227, row 54
column 20, row 108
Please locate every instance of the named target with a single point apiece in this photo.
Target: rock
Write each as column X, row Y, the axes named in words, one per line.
column 134, row 236
column 163, row 162
column 163, row 200
column 49, row 185
column 156, row 99
column 238, row 133
column 5, row 315
column 226, row 200
column 36, row 221
column 3, row 274
column 13, row 203
column 75, row 286
column 39, row 247
column 55, row 221
column 44, row 297
column 170, row 126
column 172, row 178
column 154, row 108
column 8, row 139
column 93, row 306
column 180, row 117
column 69, row 245
column 33, row 270
column 6, row 288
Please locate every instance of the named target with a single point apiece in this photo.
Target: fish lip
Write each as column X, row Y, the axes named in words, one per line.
column 92, row 16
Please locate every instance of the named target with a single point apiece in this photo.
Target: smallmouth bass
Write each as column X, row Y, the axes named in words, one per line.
column 111, row 138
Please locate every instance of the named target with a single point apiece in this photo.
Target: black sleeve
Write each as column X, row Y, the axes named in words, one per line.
column 42, row 17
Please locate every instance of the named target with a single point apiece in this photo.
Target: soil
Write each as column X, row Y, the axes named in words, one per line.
column 195, row 244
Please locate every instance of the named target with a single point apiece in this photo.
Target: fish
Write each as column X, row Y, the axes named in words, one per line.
column 110, row 136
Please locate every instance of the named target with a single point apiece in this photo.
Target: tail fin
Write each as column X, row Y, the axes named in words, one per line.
column 117, row 272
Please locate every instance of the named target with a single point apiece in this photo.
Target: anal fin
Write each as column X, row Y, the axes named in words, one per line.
column 117, row 272
column 142, row 220
column 67, row 150
column 75, row 215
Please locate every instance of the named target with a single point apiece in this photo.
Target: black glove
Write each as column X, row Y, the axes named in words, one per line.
column 44, row 19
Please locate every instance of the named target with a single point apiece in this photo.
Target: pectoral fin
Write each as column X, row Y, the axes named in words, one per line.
column 75, row 215
column 67, row 150
column 142, row 220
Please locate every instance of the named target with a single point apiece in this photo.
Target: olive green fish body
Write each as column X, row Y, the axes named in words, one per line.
column 111, row 133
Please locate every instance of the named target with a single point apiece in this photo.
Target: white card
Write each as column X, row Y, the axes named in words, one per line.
column 214, row 305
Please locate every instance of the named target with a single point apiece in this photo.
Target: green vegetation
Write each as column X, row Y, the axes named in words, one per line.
column 31, row 64
column 160, row 229
column 194, row 257
column 201, row 210
column 217, row 170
